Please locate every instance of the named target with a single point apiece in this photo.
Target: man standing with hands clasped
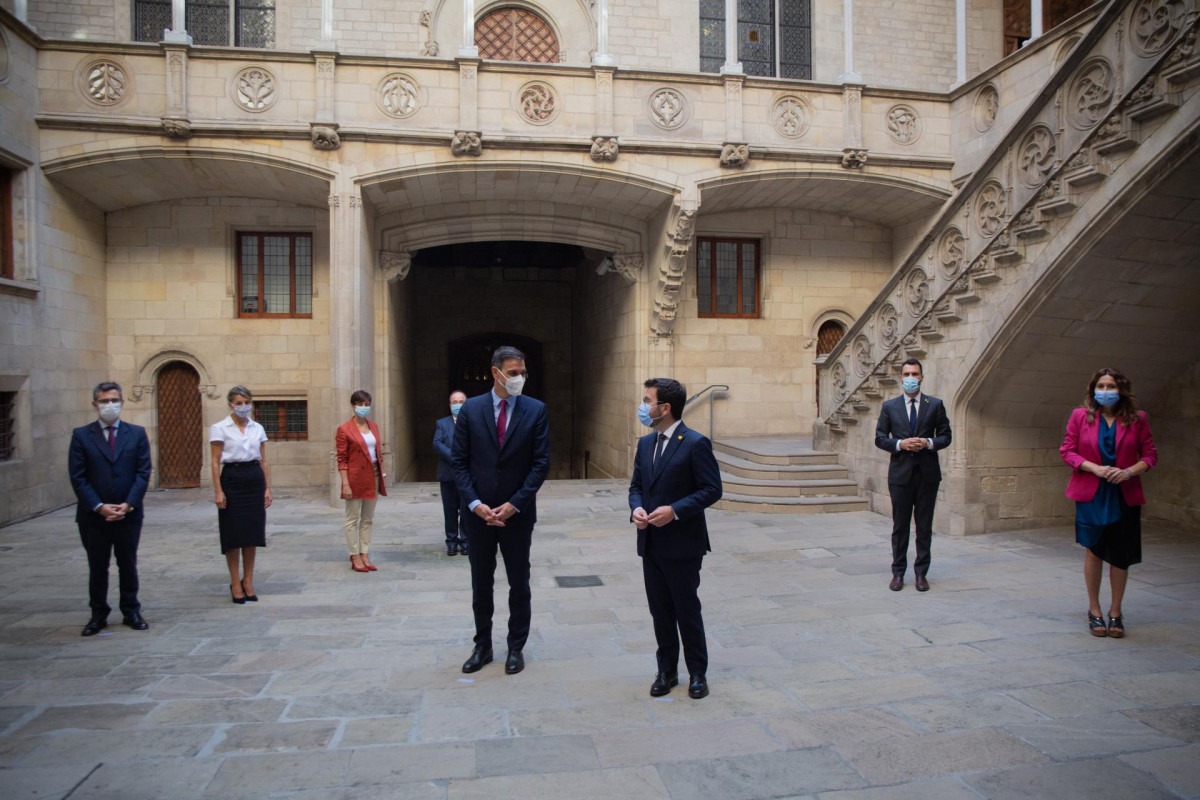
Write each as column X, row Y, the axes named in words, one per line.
column 675, row 477
column 912, row 427
column 501, row 455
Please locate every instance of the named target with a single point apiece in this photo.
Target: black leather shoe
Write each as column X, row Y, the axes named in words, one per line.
column 663, row 683
column 462, row 547
column 94, row 626
column 479, row 657
column 451, row 549
column 897, row 583
column 921, row 584
column 514, row 663
column 136, row 622
column 697, row 687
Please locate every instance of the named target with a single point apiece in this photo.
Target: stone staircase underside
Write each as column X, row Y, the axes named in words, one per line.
column 783, row 475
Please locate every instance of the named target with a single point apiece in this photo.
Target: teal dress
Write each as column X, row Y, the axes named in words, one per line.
column 1105, row 525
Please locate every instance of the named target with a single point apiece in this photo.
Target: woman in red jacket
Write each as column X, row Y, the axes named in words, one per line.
column 1108, row 446
column 358, row 450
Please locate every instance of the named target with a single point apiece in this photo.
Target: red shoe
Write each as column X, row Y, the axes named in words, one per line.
column 356, row 567
column 367, row 563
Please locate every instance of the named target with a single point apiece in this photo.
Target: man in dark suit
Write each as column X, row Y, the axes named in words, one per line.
column 501, row 456
column 912, row 428
column 109, row 463
column 676, row 477
column 443, row 440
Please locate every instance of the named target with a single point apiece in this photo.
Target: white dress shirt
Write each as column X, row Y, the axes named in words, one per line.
column 369, row 438
column 908, row 415
column 238, row 447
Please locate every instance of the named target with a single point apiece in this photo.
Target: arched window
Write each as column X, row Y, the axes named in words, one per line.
column 516, row 34
column 828, row 336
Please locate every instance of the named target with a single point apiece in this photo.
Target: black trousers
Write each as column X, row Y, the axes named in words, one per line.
column 101, row 540
column 513, row 544
column 671, row 591
column 451, row 508
column 913, row 499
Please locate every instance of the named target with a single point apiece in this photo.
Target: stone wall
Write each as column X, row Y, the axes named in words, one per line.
column 910, row 44
column 1171, row 493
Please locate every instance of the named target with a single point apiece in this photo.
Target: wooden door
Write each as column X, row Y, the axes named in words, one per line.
column 180, row 426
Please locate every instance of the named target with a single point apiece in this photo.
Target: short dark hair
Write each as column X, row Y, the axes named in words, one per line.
column 914, row 362
column 106, row 386
column 360, row 396
column 456, row 391
column 239, row 391
column 506, row 353
column 670, row 391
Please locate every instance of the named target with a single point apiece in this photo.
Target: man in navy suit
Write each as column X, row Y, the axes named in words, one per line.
column 443, row 440
column 912, row 428
column 501, row 456
column 109, row 463
column 676, row 477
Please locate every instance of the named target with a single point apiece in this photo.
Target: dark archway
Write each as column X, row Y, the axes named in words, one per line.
column 470, row 358
column 180, row 426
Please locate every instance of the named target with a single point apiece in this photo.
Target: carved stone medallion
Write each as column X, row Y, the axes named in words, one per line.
column 1036, row 156
column 860, row 355
column 987, row 106
column 791, row 116
column 902, row 124
column 1154, row 23
column 838, row 377
column 398, row 95
column 104, row 82
column 916, row 292
column 1091, row 93
column 254, row 89
column 668, row 108
column 889, row 325
column 991, row 208
column 951, row 251
column 537, row 103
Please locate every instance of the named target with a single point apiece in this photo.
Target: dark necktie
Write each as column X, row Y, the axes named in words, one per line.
column 912, row 416
column 112, row 440
column 658, row 446
column 501, row 423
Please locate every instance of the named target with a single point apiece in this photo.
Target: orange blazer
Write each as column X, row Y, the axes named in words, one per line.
column 353, row 456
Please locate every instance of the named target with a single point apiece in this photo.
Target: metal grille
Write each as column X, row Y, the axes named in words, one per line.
column 712, row 35
column 727, row 277
column 150, row 19
column 180, row 426
column 255, row 23
column 285, row 420
column 515, row 34
column 577, row 581
column 275, row 275
column 795, row 39
column 8, row 425
column 207, row 21
column 756, row 37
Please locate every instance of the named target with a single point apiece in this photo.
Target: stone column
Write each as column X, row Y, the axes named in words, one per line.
column 468, row 49
column 848, row 74
column 467, row 140
column 178, row 33
column 731, row 66
column 1035, row 19
column 960, row 28
column 21, row 10
column 603, row 58
column 326, row 20
column 175, row 121
column 604, row 142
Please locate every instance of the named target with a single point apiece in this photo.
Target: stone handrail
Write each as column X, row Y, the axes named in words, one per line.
column 1119, row 73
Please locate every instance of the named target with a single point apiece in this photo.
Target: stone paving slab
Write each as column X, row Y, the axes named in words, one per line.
column 344, row 686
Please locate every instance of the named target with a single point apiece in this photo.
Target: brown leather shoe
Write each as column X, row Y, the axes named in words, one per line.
column 921, row 584
column 897, row 583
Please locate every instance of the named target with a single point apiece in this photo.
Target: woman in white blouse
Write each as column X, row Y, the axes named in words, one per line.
column 358, row 449
column 243, row 490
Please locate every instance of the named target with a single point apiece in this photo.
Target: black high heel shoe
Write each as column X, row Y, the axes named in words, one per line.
column 239, row 600
column 250, row 598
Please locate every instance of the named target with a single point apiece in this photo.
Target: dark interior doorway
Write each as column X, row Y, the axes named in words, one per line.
column 470, row 363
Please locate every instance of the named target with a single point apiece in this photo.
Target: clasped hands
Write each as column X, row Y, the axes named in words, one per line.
column 1112, row 474
column 914, row 444
column 495, row 516
column 658, row 517
column 114, row 512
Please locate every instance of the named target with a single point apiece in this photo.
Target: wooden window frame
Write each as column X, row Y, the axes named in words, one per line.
column 281, row 433
column 292, row 236
column 712, row 242
column 8, row 268
column 8, row 425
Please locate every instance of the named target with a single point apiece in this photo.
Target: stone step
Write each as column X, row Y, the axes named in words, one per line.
column 780, row 451
column 756, row 487
column 743, row 468
column 790, row 505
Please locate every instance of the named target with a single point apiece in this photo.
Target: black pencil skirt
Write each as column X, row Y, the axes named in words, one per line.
column 243, row 520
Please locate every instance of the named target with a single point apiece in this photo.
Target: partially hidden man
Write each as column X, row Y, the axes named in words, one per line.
column 675, row 477
column 443, row 440
column 501, row 455
column 109, row 464
column 912, row 428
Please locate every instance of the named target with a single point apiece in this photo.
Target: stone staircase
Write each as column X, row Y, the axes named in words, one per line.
column 783, row 475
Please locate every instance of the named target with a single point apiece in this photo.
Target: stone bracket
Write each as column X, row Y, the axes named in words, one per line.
column 605, row 148
column 325, row 137
column 395, row 266
column 466, row 143
column 735, row 154
column 854, row 158
column 680, row 234
column 628, row 265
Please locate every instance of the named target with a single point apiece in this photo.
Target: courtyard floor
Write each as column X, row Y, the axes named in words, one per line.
column 824, row 683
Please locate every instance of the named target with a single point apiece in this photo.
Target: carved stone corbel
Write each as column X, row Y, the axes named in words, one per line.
column 628, row 265
column 605, row 148
column 854, row 158
column 138, row 391
column 466, row 143
column 394, row 266
column 177, row 127
column 734, row 154
column 670, row 279
column 325, row 137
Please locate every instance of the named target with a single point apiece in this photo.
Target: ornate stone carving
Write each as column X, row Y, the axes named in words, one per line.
column 838, row 380
column 325, row 137
column 889, row 324
column 537, row 103
column 628, row 265
column 1090, row 93
column 791, row 116
column 335, row 201
column 854, row 158
column 987, row 106
column 991, row 208
column 398, row 95
column 734, row 154
column 903, row 124
column 254, row 89
column 466, row 143
column 917, row 292
column 1154, row 23
column 426, row 18
column 177, row 127
column 951, row 250
column 861, row 355
column 1036, row 156
column 605, row 148
column 668, row 108
column 394, row 266
column 430, row 48
column 104, row 82
column 670, row 278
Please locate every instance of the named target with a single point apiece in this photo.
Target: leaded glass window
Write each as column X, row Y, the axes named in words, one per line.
column 761, row 25
column 207, row 21
column 150, row 19
column 274, row 275
column 255, row 23
column 251, row 23
column 727, row 277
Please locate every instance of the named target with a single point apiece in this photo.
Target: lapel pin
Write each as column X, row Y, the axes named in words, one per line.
column 681, row 437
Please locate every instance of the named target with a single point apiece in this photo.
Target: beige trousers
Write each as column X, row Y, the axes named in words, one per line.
column 359, row 515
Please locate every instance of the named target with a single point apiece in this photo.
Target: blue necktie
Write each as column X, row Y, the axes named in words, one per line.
column 912, row 416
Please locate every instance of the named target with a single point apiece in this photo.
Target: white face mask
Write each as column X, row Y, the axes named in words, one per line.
column 110, row 410
column 243, row 411
column 514, row 386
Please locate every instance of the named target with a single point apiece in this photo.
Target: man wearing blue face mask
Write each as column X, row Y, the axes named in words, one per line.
column 912, row 428
column 443, row 440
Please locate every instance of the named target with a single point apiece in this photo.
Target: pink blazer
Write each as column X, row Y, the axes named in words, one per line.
column 1134, row 444
column 354, row 457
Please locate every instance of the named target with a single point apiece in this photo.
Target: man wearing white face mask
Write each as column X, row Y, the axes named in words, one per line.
column 443, row 439
column 109, row 463
column 912, row 428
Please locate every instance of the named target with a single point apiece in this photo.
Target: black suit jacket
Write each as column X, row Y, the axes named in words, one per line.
column 100, row 477
column 932, row 423
column 686, row 478
column 497, row 475
column 443, row 440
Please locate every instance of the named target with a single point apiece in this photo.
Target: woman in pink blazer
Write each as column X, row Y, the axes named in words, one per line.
column 1108, row 446
column 358, row 462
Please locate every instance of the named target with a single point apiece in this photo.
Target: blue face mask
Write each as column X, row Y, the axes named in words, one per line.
column 644, row 417
column 911, row 385
column 362, row 411
column 455, row 408
column 1108, row 399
